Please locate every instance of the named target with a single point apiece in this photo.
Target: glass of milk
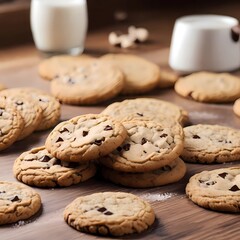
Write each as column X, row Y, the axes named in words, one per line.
column 59, row 26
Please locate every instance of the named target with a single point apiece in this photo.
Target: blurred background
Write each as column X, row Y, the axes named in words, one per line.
column 156, row 15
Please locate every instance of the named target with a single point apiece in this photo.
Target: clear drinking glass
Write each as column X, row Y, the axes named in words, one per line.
column 59, row 26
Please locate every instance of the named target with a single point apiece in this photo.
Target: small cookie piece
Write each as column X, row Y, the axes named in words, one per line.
column 51, row 108
column 218, row 189
column 167, row 174
column 58, row 65
column 236, row 107
column 29, row 110
column 167, row 78
column 211, row 144
column 147, row 147
column 89, row 84
column 109, row 213
column 209, row 87
column 85, row 138
column 162, row 112
column 11, row 125
column 17, row 202
column 38, row 167
column 141, row 76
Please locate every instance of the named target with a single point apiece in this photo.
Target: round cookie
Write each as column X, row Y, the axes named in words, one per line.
column 211, row 144
column 209, row 87
column 17, row 202
column 147, row 147
column 29, row 110
column 88, row 84
column 157, row 110
column 51, row 108
column 11, row 125
column 38, row 167
column 85, row 138
column 57, row 65
column 141, row 75
column 109, row 213
column 236, row 107
column 167, row 174
column 218, row 189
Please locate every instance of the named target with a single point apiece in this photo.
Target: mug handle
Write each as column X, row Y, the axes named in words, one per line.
column 235, row 33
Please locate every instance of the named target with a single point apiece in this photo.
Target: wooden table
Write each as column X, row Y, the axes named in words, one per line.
column 177, row 217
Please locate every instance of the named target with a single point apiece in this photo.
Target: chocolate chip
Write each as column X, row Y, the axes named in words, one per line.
column 99, row 142
column 19, row 103
column 44, row 158
column 163, row 135
column 201, row 181
column 64, row 130
column 211, row 183
column 1, row 111
column 107, row 128
column 140, row 114
column 234, row 188
column 108, row 213
column 223, row 175
column 126, row 147
column 15, row 199
column 102, row 209
column 85, row 133
column 2, row 192
column 59, row 139
column 144, row 140
column 195, row 136
column 144, row 151
column 119, row 149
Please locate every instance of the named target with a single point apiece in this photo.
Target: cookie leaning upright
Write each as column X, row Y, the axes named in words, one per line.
column 211, row 144
column 209, row 87
column 90, row 83
column 141, row 75
column 147, row 147
column 218, row 189
column 38, row 167
column 17, row 202
column 109, row 213
column 11, row 125
column 57, row 65
column 85, row 137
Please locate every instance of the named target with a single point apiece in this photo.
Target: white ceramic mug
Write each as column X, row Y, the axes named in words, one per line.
column 205, row 42
column 59, row 26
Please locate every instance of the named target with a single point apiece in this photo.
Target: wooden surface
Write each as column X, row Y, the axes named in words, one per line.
column 176, row 217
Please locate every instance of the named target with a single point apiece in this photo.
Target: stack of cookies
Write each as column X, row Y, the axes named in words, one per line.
column 24, row 110
column 85, row 80
column 149, row 156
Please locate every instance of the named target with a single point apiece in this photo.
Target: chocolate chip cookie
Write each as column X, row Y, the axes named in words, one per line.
column 148, row 146
column 157, row 110
column 170, row 173
column 218, row 189
column 109, row 213
column 17, row 202
column 38, row 167
column 85, row 137
column 209, row 87
column 211, row 144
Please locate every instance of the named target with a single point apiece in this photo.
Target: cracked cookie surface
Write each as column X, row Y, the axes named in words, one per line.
column 170, row 173
column 17, row 202
column 85, row 137
column 11, row 125
column 211, row 144
column 109, row 213
column 160, row 111
column 218, row 189
column 38, row 167
column 148, row 146
column 209, row 87
column 89, row 84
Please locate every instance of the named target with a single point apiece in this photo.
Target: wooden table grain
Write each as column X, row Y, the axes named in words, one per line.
column 176, row 216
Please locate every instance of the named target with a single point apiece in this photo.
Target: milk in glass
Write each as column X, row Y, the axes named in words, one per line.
column 59, row 26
